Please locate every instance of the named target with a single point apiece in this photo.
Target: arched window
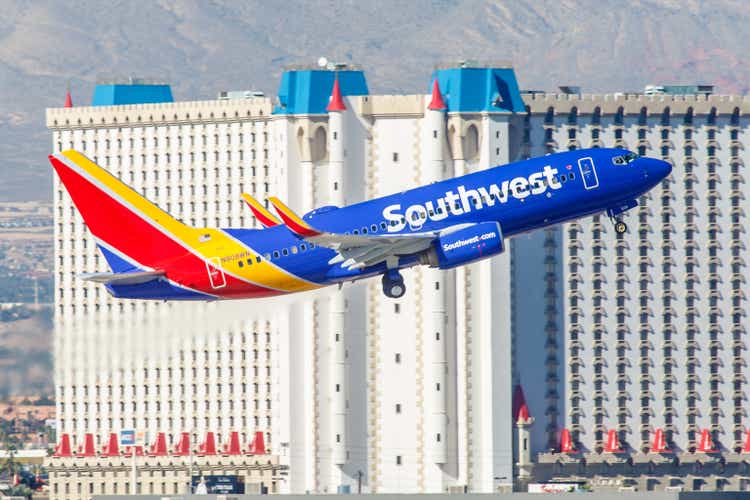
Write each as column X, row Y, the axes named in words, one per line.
column 735, row 120
column 472, row 142
column 712, row 117
column 689, row 116
column 643, row 116
column 619, row 115
column 596, row 118
column 573, row 116
column 665, row 117
column 319, row 146
column 550, row 116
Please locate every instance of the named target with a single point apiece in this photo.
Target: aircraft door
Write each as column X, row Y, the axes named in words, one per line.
column 215, row 273
column 588, row 173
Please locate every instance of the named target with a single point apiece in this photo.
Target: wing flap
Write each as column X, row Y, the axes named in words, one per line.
column 135, row 278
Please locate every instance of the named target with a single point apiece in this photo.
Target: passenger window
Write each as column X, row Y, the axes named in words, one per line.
column 294, row 250
column 257, row 259
column 364, row 230
column 383, row 226
column 249, row 262
column 374, row 228
column 285, row 252
column 267, row 256
column 276, row 254
column 240, row 263
column 356, row 231
column 572, row 176
column 563, row 178
column 302, row 247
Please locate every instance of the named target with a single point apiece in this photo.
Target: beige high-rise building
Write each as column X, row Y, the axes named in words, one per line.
column 641, row 333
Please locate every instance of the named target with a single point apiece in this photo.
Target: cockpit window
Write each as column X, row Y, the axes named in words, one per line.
column 625, row 159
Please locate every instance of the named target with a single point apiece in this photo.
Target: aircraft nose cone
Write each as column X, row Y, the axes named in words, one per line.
column 659, row 169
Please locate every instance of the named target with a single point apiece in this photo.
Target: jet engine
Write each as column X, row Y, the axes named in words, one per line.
column 461, row 246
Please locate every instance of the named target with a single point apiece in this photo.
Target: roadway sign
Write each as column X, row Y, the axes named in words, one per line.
column 127, row 437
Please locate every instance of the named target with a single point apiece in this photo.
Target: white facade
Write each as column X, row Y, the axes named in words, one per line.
column 408, row 395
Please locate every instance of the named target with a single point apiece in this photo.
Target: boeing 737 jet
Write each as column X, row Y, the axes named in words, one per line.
column 446, row 224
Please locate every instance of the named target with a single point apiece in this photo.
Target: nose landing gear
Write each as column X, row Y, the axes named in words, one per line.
column 615, row 213
column 393, row 284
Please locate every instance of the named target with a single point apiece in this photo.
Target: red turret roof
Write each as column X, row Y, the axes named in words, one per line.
column 68, row 100
column 63, row 448
column 258, row 445
column 437, row 102
column 613, row 442
column 706, row 444
column 746, row 448
column 523, row 414
column 519, row 404
column 336, row 103
column 112, row 448
column 566, row 442
column 660, row 442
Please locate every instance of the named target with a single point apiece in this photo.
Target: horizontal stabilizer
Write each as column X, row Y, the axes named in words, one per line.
column 261, row 213
column 135, row 278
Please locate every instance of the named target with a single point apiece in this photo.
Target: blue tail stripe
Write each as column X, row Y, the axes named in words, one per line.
column 118, row 264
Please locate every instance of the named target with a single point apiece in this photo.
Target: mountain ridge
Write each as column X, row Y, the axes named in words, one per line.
column 201, row 48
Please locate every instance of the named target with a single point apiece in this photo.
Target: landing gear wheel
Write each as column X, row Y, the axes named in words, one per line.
column 621, row 227
column 393, row 285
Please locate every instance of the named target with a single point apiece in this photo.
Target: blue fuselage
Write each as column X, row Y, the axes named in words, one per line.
column 520, row 196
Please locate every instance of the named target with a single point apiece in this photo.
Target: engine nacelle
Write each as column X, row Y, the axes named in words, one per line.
column 464, row 246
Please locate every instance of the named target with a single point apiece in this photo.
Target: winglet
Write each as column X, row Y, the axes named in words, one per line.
column 261, row 213
column 292, row 220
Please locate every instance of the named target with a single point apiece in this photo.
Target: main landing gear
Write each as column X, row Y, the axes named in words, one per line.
column 393, row 284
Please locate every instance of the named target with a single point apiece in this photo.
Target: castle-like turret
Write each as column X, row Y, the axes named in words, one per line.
column 523, row 422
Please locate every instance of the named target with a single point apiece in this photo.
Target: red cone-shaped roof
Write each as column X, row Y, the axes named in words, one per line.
column 68, row 100
column 159, row 447
column 523, row 414
column 63, row 448
column 746, row 448
column 233, row 447
column 183, row 445
column 519, row 400
column 112, row 448
column 613, row 442
column 437, row 102
column 336, row 103
column 209, row 445
column 258, row 446
column 87, row 449
column 706, row 444
column 566, row 442
column 660, row 442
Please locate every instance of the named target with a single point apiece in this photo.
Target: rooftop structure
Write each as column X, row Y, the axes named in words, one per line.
column 131, row 91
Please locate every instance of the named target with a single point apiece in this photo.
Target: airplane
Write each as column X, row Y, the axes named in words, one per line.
column 446, row 224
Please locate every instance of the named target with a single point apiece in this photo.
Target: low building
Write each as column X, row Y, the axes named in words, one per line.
column 77, row 477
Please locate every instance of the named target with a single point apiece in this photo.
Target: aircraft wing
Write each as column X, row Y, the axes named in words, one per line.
column 355, row 250
column 134, row 278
